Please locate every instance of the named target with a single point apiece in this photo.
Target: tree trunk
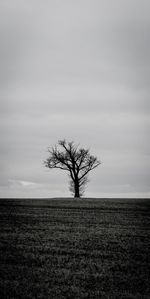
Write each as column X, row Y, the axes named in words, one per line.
column 76, row 189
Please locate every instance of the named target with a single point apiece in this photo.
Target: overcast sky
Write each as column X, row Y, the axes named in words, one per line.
column 78, row 70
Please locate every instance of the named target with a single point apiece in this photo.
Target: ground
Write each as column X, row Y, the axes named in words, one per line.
column 66, row 248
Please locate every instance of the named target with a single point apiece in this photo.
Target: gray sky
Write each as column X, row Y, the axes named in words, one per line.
column 78, row 70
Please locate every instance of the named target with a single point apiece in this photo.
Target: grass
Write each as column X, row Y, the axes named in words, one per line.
column 67, row 248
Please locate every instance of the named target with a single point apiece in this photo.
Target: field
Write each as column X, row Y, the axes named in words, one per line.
column 65, row 248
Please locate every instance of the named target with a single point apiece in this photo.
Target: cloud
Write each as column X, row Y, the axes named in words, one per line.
column 20, row 183
column 77, row 70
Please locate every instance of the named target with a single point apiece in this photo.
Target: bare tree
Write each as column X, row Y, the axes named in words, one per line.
column 77, row 161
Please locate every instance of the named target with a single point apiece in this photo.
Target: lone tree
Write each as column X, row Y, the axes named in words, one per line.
column 77, row 161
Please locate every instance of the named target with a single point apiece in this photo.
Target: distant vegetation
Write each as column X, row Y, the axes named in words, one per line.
column 77, row 162
column 74, row 249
